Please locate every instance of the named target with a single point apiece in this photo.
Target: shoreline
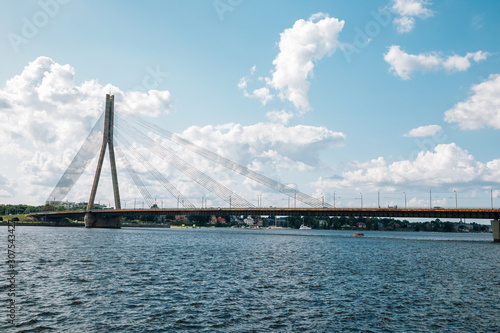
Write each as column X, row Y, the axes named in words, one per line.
column 163, row 226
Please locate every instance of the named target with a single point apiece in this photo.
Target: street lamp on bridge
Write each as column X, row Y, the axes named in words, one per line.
column 361, row 194
column 491, row 195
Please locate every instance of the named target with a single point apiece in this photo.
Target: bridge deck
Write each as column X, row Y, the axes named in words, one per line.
column 491, row 214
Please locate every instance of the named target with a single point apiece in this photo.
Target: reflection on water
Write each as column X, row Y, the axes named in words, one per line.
column 219, row 280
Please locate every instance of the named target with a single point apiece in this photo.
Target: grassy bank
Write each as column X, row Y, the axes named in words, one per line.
column 20, row 217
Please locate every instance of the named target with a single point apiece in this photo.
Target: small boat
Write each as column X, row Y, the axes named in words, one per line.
column 304, row 227
column 358, row 234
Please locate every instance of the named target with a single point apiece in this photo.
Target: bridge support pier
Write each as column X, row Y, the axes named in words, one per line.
column 92, row 221
column 495, row 226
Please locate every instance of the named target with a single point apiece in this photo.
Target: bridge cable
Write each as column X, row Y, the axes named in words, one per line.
column 80, row 162
column 233, row 166
column 201, row 178
column 170, row 157
column 170, row 188
column 133, row 174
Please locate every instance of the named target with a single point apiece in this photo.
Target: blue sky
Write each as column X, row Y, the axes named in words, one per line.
column 353, row 96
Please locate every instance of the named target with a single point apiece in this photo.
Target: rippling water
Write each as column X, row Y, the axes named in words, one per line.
column 231, row 280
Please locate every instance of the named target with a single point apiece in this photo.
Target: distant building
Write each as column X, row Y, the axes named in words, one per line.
column 214, row 219
column 65, row 204
column 249, row 221
column 181, row 218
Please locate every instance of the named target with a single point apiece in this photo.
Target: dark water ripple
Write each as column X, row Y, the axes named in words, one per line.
column 137, row 280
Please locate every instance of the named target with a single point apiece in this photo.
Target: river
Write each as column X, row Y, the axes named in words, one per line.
column 235, row 280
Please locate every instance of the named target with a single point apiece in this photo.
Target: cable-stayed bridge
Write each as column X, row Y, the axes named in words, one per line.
column 135, row 136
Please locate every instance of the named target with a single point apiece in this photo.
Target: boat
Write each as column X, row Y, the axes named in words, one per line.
column 304, row 227
column 358, row 234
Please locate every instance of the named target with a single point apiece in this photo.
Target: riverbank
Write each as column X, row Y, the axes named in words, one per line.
column 79, row 224
column 44, row 224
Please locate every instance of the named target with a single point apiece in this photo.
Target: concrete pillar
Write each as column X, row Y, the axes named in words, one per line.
column 495, row 226
column 89, row 220
column 92, row 221
column 114, row 176
column 105, row 140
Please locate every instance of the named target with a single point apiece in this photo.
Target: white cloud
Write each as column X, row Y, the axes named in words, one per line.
column 300, row 46
column 447, row 165
column 460, row 64
column 243, row 83
column 482, row 109
column 412, row 8
column 403, row 64
column 280, row 117
column 253, row 69
column 263, row 95
column 250, row 145
column 407, row 11
column 152, row 103
column 45, row 117
column 422, row 131
column 404, row 24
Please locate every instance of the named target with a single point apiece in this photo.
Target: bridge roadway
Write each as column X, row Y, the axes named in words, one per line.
column 491, row 214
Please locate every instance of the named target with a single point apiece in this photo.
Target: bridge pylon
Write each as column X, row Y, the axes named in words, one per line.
column 91, row 220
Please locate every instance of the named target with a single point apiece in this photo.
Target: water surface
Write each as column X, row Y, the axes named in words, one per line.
column 232, row 280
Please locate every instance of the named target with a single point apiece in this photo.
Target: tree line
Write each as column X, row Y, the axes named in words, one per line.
column 294, row 222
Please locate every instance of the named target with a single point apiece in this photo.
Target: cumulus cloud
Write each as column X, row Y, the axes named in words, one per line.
column 44, row 113
column 44, row 106
column 300, row 46
column 481, row 109
column 422, row 131
column 448, row 164
column 404, row 24
column 243, row 83
column 407, row 10
column 254, row 144
column 262, row 94
column 404, row 64
column 280, row 117
column 46, row 117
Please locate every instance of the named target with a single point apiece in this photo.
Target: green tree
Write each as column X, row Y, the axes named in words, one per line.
column 198, row 220
column 447, row 226
column 147, row 218
column 48, row 208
